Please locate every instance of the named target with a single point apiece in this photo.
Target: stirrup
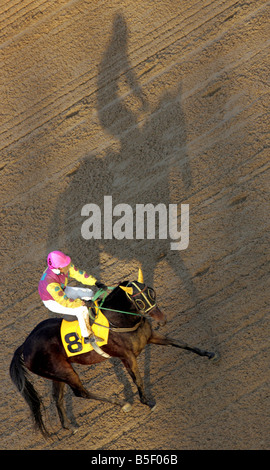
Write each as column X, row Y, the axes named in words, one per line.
column 92, row 339
column 95, row 339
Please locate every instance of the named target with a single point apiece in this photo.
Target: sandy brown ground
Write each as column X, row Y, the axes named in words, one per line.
column 147, row 102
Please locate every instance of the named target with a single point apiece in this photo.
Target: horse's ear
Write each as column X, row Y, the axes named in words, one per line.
column 128, row 290
column 140, row 276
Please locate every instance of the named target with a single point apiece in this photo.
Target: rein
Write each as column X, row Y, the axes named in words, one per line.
column 100, row 306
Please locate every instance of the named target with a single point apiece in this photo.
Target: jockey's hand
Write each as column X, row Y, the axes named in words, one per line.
column 100, row 285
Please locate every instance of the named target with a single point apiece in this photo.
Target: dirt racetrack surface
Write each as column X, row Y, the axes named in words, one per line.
column 147, row 102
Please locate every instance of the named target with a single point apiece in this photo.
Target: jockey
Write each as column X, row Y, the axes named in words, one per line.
column 58, row 297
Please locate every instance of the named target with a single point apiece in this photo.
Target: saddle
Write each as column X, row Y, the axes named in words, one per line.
column 73, row 340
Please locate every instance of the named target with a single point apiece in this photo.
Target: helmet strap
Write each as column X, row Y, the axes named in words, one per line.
column 56, row 271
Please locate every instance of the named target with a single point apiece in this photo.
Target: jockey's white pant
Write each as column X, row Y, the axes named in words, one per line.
column 80, row 312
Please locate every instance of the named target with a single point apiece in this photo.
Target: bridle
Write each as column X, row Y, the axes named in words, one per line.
column 143, row 297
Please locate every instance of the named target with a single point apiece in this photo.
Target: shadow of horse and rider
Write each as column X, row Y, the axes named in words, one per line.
column 150, row 165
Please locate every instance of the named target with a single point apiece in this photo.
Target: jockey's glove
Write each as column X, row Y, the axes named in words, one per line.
column 100, row 285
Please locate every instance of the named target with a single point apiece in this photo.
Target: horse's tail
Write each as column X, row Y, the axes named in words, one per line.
column 19, row 377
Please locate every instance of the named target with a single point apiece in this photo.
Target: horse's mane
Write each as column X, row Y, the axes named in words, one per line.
column 115, row 292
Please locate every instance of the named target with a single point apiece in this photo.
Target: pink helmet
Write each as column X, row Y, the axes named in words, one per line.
column 57, row 259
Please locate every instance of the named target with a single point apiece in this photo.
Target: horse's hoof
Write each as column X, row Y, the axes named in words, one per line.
column 152, row 405
column 215, row 358
column 127, row 407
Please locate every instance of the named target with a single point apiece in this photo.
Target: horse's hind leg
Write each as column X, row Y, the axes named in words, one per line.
column 166, row 341
column 66, row 374
column 73, row 380
column 58, row 395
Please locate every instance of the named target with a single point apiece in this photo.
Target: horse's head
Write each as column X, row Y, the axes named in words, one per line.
column 144, row 299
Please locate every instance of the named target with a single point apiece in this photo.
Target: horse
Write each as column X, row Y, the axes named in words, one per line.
column 129, row 308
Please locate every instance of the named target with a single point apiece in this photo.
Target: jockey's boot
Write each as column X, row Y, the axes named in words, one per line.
column 92, row 339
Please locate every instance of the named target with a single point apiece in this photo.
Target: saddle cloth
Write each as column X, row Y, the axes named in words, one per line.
column 73, row 341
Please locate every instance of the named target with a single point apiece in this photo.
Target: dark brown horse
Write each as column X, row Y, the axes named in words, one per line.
column 43, row 353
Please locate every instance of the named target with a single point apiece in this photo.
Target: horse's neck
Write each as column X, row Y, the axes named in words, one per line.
column 120, row 303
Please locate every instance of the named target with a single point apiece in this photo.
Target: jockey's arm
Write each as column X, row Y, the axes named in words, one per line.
column 57, row 293
column 81, row 276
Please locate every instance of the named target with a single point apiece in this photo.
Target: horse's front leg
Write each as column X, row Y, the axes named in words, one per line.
column 167, row 341
column 131, row 365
